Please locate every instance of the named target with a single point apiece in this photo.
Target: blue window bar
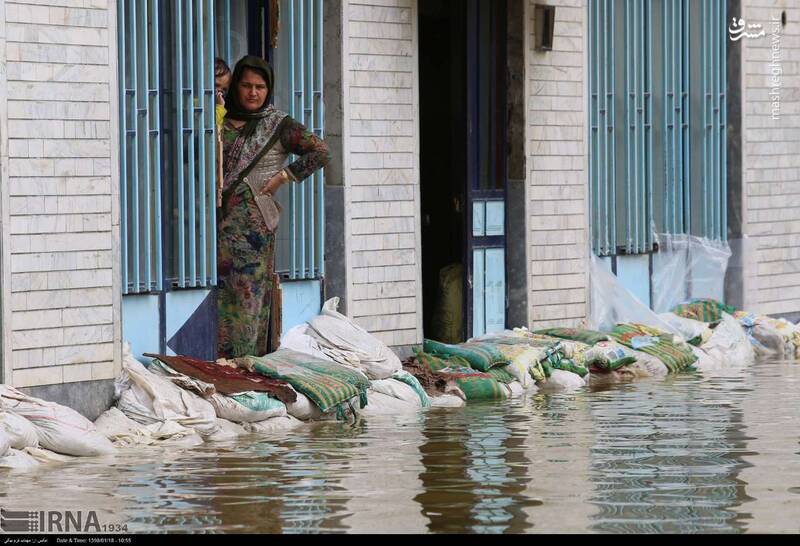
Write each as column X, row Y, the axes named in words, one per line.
column 652, row 166
column 298, row 67
column 166, row 74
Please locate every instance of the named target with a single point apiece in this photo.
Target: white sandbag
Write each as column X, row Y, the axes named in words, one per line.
column 686, row 327
column 20, row 431
column 247, row 407
column 647, row 365
column 304, row 409
column 299, row 340
column 728, row 345
column 705, row 361
column 201, row 388
column 561, row 380
column 46, row 456
column 18, row 460
column 334, row 331
column 381, row 403
column 122, row 430
column 274, row 425
column 59, row 428
column 5, row 443
column 447, row 401
column 152, row 398
column 396, row 389
column 175, row 434
column 517, row 389
column 226, row 431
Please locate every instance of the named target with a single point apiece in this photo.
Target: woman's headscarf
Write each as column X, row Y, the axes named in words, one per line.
column 235, row 109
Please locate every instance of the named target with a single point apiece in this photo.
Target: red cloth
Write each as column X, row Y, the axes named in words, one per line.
column 228, row 380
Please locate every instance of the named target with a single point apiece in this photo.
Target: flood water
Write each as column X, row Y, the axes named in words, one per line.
column 693, row 453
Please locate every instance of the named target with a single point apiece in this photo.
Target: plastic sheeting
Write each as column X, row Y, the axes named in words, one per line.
column 687, row 268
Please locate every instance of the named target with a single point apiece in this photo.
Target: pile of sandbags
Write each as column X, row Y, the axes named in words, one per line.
column 34, row 431
column 158, row 403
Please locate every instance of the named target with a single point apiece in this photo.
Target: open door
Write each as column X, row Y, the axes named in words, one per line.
column 485, row 248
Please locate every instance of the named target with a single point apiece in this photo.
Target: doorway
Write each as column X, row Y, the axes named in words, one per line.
column 463, row 170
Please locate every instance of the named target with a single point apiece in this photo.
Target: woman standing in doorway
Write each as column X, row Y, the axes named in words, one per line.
column 257, row 140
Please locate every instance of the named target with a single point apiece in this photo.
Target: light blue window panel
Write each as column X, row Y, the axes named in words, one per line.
column 495, row 218
column 192, row 258
column 478, row 218
column 299, row 72
column 495, row 314
column 478, row 292
column 488, row 290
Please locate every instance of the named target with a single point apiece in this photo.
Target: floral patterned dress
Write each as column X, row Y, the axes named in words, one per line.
column 245, row 247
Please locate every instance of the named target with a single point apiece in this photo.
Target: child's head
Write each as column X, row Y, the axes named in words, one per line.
column 222, row 76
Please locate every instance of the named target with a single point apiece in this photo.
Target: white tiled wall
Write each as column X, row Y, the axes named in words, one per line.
column 59, row 223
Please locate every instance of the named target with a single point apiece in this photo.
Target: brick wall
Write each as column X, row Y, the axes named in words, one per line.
column 381, row 148
column 60, row 204
column 772, row 158
column 556, row 192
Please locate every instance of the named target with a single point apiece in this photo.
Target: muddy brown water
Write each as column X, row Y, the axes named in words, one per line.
column 694, row 453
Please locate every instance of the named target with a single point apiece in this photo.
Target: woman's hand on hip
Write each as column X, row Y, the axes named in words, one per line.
column 272, row 185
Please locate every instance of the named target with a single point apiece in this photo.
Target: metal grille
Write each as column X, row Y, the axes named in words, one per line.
column 145, row 38
column 298, row 59
column 641, row 157
column 140, row 145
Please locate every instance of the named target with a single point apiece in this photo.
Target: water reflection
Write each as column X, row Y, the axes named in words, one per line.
column 713, row 453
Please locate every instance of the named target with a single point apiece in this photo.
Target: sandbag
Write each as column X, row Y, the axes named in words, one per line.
column 481, row 355
column 521, row 358
column 674, row 353
column 561, row 380
column 20, row 431
column 226, row 432
column 693, row 331
column 121, row 429
column 407, row 378
column 381, row 403
column 5, row 443
column 151, row 398
column 328, row 384
column 647, row 365
column 274, row 425
column 728, row 346
column 609, row 356
column 247, row 407
column 201, row 388
column 298, row 339
column 395, row 389
column 18, row 460
column 46, row 456
column 448, row 315
column 447, row 401
column 59, row 428
column 335, row 332
column 304, row 409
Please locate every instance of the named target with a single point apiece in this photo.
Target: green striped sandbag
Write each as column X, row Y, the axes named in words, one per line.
column 502, row 375
column 474, row 384
column 705, row 310
column 589, row 337
column 481, row 356
column 327, row 384
column 435, row 363
column 676, row 358
column 555, row 359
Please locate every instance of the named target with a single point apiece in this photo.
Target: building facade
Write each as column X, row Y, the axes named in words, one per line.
column 484, row 148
